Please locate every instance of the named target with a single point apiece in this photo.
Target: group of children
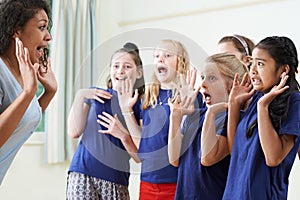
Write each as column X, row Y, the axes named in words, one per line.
column 235, row 136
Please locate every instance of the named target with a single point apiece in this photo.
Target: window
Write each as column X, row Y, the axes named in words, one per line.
column 41, row 127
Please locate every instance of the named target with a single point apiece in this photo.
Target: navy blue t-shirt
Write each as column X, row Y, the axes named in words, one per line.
column 102, row 155
column 249, row 177
column 196, row 181
column 153, row 150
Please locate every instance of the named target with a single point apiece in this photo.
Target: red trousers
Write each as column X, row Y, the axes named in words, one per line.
column 151, row 191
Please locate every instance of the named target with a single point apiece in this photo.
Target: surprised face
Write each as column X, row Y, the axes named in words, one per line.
column 123, row 67
column 213, row 86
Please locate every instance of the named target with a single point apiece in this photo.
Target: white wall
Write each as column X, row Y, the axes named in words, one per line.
column 207, row 22
column 204, row 22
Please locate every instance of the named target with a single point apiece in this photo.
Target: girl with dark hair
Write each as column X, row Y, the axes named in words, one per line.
column 264, row 140
column 24, row 38
column 100, row 165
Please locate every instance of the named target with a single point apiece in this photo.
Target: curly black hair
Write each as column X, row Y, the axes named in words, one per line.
column 14, row 14
column 283, row 51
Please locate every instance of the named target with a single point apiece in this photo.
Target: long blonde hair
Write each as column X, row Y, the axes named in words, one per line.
column 183, row 65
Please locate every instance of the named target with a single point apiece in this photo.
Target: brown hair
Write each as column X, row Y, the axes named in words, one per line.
column 133, row 50
column 243, row 44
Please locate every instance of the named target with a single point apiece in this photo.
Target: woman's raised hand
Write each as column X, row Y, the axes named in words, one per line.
column 27, row 69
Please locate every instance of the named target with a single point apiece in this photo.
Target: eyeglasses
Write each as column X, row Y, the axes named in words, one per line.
column 44, row 62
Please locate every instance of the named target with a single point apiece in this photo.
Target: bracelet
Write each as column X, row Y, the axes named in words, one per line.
column 129, row 113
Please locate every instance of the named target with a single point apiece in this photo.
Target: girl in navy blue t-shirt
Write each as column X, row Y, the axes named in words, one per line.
column 100, row 165
column 203, row 165
column 158, row 177
column 265, row 139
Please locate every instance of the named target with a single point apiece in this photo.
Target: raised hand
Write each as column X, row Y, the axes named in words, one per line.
column 183, row 104
column 126, row 100
column 113, row 125
column 241, row 92
column 28, row 71
column 116, row 129
column 96, row 94
column 48, row 79
column 276, row 90
column 187, row 87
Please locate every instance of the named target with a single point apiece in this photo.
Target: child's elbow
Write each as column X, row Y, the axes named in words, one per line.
column 273, row 162
column 74, row 134
column 174, row 163
column 206, row 162
column 136, row 159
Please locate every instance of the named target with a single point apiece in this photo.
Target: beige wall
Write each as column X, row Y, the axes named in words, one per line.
column 205, row 22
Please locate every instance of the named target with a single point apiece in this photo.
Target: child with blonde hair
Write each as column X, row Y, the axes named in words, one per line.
column 204, row 157
column 158, row 177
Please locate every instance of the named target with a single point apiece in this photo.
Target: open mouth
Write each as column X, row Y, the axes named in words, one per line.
column 120, row 78
column 162, row 70
column 255, row 81
column 207, row 97
column 41, row 50
column 43, row 59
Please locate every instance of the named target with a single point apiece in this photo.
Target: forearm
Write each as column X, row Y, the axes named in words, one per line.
column 209, row 139
column 77, row 116
column 274, row 146
column 213, row 147
column 11, row 117
column 174, row 139
column 135, row 130
column 233, row 120
column 130, row 146
column 217, row 153
column 46, row 98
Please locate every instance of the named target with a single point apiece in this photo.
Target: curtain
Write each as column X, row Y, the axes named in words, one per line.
column 73, row 39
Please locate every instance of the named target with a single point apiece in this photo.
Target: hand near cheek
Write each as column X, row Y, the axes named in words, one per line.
column 276, row 90
column 48, row 79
